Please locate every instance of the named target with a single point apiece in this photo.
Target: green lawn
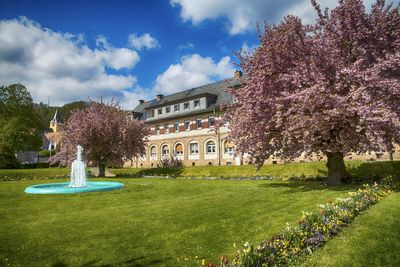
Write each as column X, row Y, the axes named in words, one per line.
column 33, row 174
column 154, row 221
column 280, row 171
column 371, row 240
column 151, row 222
column 359, row 169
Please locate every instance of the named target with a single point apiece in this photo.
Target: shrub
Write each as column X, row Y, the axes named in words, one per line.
column 47, row 153
column 169, row 162
column 35, row 165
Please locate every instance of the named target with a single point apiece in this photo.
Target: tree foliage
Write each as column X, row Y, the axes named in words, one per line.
column 46, row 112
column 108, row 135
column 19, row 123
column 329, row 88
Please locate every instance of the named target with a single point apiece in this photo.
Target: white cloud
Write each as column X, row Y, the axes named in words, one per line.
column 145, row 41
column 243, row 16
column 131, row 99
column 60, row 66
column 192, row 71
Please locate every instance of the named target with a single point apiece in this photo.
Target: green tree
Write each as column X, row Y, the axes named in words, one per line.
column 19, row 123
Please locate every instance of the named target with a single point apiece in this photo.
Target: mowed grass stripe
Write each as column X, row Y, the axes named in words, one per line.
column 150, row 222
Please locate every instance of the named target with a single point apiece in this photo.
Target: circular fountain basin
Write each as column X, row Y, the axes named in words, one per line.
column 63, row 188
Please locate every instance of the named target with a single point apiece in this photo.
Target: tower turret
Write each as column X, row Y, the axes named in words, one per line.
column 54, row 123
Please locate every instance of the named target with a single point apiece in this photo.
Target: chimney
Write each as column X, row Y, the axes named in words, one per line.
column 159, row 97
column 141, row 101
column 238, row 74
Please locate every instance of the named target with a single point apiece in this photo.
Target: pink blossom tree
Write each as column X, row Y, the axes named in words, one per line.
column 108, row 135
column 326, row 89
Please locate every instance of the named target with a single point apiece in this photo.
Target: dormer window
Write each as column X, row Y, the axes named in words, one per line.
column 167, row 109
column 196, row 103
column 151, row 113
column 176, row 108
column 186, row 106
column 159, row 111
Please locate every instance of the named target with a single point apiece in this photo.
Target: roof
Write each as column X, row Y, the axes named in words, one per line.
column 55, row 138
column 57, row 117
column 217, row 89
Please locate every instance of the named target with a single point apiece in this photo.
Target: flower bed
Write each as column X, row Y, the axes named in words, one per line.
column 313, row 230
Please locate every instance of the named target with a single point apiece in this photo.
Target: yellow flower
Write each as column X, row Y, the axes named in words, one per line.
column 203, row 262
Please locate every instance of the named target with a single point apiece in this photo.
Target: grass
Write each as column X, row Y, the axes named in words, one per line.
column 371, row 240
column 151, row 222
column 33, row 174
column 281, row 171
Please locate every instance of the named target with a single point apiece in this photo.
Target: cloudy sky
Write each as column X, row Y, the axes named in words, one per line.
column 65, row 51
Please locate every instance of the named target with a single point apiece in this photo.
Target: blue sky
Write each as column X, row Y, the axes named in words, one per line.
column 129, row 50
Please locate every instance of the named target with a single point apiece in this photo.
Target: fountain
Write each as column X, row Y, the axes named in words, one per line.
column 78, row 174
column 78, row 183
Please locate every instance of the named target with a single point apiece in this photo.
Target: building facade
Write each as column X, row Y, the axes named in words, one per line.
column 184, row 126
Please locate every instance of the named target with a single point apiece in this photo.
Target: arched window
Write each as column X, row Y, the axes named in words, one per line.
column 210, row 147
column 178, row 149
column 229, row 147
column 193, row 148
column 153, row 151
column 165, row 151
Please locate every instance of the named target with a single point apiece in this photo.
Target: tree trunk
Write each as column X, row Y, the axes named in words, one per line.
column 337, row 172
column 102, row 170
column 391, row 155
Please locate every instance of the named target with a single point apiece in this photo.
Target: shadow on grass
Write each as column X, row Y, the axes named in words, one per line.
column 134, row 262
column 134, row 173
column 293, row 187
column 375, row 169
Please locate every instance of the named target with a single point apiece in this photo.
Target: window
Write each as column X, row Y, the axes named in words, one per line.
column 211, row 121
column 176, row 126
column 166, row 129
column 186, row 106
column 196, row 103
column 187, row 125
column 229, row 148
column 153, row 151
column 199, row 123
column 210, row 147
column 179, row 150
column 167, row 109
column 194, row 148
column 159, row 111
column 158, row 129
column 165, row 151
column 151, row 113
column 176, row 108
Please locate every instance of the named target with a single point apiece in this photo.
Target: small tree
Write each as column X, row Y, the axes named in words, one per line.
column 107, row 134
column 330, row 88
